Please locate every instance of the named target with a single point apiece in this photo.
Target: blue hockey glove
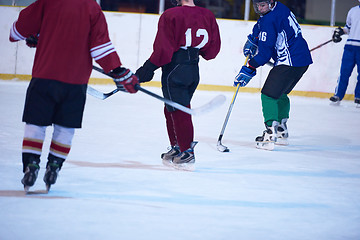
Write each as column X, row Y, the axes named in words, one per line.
column 250, row 46
column 244, row 76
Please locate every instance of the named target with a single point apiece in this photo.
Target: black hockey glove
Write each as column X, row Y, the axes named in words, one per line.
column 125, row 79
column 32, row 41
column 338, row 32
column 146, row 72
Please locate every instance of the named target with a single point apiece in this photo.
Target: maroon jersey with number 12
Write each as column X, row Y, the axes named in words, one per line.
column 182, row 27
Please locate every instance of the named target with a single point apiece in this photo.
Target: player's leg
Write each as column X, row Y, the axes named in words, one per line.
column 347, row 66
column 59, row 149
column 270, row 114
column 37, row 115
column 357, row 87
column 31, row 151
column 174, row 148
column 67, row 116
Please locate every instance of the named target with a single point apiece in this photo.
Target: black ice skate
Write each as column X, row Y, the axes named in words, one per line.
column 173, row 151
column 53, row 167
column 185, row 160
column 282, row 133
column 168, row 156
column 357, row 102
column 30, row 175
column 269, row 137
column 335, row 100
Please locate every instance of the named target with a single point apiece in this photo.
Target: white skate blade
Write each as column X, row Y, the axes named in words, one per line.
column 265, row 145
column 48, row 186
column 335, row 103
column 26, row 189
column 167, row 163
column 190, row 167
column 182, row 166
column 282, row 141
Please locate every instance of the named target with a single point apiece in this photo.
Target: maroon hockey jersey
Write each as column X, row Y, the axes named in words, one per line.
column 71, row 33
column 182, row 27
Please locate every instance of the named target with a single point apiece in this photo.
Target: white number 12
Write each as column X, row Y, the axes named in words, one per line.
column 200, row 32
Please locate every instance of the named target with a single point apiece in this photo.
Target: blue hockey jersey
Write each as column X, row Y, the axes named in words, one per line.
column 279, row 37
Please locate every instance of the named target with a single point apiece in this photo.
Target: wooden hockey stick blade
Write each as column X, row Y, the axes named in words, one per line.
column 100, row 95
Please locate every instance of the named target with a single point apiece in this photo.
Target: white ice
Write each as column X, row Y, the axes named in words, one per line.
column 114, row 186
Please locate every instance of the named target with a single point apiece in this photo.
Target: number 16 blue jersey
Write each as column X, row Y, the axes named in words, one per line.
column 280, row 38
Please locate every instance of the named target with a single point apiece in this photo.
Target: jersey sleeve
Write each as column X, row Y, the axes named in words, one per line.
column 255, row 32
column 266, row 45
column 164, row 45
column 348, row 22
column 212, row 48
column 101, row 48
column 28, row 22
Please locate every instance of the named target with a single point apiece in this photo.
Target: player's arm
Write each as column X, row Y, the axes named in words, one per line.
column 102, row 49
column 339, row 31
column 251, row 44
column 104, row 53
column 28, row 23
column 266, row 44
column 164, row 45
column 212, row 48
column 163, row 49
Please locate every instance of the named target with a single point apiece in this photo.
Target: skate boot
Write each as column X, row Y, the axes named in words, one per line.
column 173, row 151
column 167, row 157
column 31, row 170
column 53, row 167
column 335, row 100
column 282, row 133
column 268, row 139
column 357, row 102
column 185, row 160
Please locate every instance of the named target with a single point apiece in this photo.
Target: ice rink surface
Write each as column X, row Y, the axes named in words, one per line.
column 114, row 186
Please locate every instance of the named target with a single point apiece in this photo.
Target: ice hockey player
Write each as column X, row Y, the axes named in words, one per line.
column 67, row 34
column 276, row 35
column 351, row 55
column 184, row 32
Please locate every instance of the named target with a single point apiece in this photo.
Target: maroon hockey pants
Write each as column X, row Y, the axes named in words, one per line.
column 180, row 128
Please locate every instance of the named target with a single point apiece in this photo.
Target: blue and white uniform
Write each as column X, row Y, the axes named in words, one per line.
column 277, row 35
column 280, row 38
column 351, row 55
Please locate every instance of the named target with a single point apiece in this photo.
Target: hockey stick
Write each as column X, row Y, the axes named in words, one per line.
column 319, row 46
column 219, row 145
column 95, row 93
column 217, row 101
